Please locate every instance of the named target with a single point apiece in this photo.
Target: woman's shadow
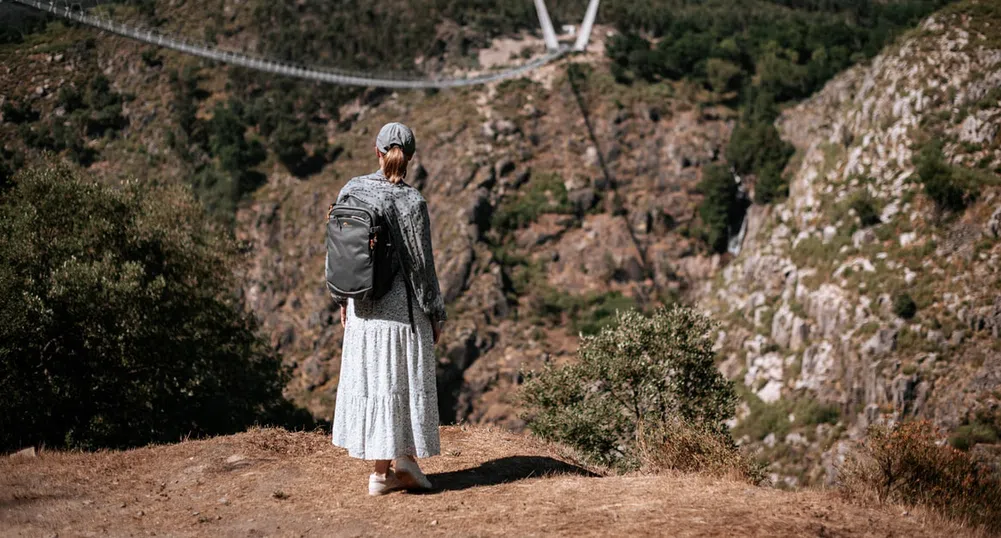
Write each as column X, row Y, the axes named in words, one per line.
column 503, row 470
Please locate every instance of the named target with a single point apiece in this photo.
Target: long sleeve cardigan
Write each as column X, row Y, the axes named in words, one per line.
column 406, row 211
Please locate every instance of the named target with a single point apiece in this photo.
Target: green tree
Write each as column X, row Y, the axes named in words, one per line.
column 686, row 55
column 119, row 319
column 780, row 73
column 723, row 76
column 722, row 208
column 904, row 306
column 941, row 182
column 755, row 146
column 771, row 185
column 105, row 106
column 642, row 374
column 287, row 141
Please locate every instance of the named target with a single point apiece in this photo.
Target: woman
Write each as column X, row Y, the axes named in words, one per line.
column 387, row 400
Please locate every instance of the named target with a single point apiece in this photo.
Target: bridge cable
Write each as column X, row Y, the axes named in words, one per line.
column 320, row 74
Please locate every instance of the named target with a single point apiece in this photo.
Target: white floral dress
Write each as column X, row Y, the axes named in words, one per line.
column 387, row 400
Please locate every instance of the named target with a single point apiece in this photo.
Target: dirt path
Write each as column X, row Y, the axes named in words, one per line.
column 274, row 483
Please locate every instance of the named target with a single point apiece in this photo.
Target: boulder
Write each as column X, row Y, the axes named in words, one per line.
column 817, row 366
column 503, row 167
column 782, row 326
column 830, row 309
column 863, row 237
column 25, row 453
column 765, row 368
column 980, row 127
column 904, row 392
column 590, row 257
column 505, row 127
column 488, row 131
column 582, row 199
column 994, row 223
column 771, row 392
column 800, row 334
column 881, row 343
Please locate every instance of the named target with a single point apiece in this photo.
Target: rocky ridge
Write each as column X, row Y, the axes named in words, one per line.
column 809, row 303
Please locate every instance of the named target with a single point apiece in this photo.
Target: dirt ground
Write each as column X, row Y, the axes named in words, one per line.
column 487, row 482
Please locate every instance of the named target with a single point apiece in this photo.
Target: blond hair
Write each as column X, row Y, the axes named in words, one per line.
column 394, row 164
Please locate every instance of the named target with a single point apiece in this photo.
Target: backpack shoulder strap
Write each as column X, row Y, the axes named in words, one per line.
column 403, row 268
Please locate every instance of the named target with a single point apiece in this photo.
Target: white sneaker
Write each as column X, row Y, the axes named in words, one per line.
column 410, row 474
column 381, row 484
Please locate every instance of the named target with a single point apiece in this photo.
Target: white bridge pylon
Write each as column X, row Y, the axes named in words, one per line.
column 585, row 28
column 549, row 34
column 321, row 74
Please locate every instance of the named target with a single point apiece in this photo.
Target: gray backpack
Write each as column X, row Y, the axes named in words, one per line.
column 360, row 252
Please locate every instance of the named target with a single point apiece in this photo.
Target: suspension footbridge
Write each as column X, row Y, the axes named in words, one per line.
column 249, row 60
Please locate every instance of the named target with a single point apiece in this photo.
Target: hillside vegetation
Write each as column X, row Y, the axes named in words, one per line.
column 119, row 324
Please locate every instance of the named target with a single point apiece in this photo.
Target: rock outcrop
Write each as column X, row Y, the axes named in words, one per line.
column 812, row 299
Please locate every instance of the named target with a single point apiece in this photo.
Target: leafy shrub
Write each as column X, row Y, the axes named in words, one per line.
column 905, row 464
column 70, row 99
column 765, row 418
column 105, row 106
column 630, row 53
column 904, row 306
column 723, row 76
column 186, row 94
column 288, row 140
column 813, row 412
column 940, row 180
column 545, row 193
column 583, row 314
column 756, row 148
column 10, row 162
column 642, row 374
column 865, row 208
column 17, row 112
column 969, row 435
column 58, row 137
column 151, row 57
column 119, row 323
column 722, row 208
column 685, row 55
column 984, row 427
column 227, row 140
column 771, row 186
column 225, row 174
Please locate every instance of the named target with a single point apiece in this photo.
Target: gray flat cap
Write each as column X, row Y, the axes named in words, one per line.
column 396, row 134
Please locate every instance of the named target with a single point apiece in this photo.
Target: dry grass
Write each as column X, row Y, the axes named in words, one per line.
column 489, row 482
column 691, row 450
column 903, row 464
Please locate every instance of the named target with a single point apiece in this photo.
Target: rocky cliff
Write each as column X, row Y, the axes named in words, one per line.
column 553, row 199
column 817, row 325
